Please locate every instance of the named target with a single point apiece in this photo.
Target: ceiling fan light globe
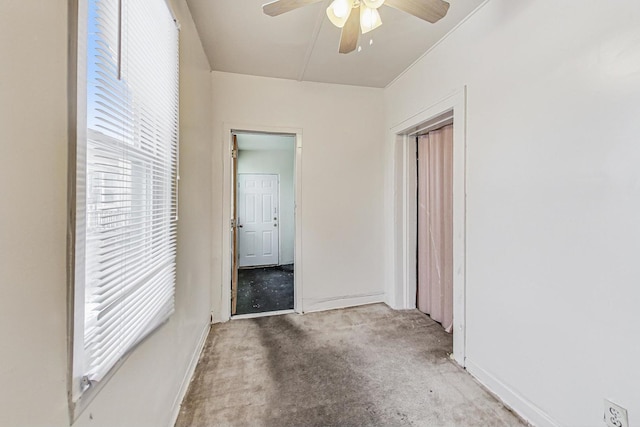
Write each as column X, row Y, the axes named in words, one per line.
column 338, row 12
column 373, row 4
column 369, row 19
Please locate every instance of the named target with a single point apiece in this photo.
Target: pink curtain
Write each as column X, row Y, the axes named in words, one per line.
column 435, row 225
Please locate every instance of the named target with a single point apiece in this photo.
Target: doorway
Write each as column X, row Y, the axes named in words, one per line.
column 403, row 214
column 263, row 221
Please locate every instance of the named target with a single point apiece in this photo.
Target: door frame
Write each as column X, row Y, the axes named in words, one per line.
column 403, row 292
column 227, row 254
column 235, row 261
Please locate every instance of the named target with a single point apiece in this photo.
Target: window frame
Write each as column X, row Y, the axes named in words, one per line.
column 79, row 396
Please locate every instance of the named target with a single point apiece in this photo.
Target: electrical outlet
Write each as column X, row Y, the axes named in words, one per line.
column 615, row 415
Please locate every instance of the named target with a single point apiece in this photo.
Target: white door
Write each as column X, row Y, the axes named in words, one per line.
column 258, row 220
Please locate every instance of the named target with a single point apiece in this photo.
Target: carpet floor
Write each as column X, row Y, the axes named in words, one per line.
column 362, row 366
column 265, row 289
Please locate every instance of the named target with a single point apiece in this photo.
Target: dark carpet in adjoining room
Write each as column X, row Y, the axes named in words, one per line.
column 265, row 289
column 362, row 366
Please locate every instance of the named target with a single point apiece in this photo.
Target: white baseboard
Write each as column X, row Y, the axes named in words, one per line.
column 512, row 399
column 177, row 403
column 311, row 305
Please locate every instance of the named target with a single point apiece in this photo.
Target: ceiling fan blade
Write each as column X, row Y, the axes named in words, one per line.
column 429, row 10
column 350, row 32
column 279, row 7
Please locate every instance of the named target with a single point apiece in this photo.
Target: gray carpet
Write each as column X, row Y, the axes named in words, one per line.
column 363, row 366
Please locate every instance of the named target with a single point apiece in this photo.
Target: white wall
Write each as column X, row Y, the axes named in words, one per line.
column 553, row 199
column 279, row 162
column 342, row 178
column 33, row 295
column 33, row 194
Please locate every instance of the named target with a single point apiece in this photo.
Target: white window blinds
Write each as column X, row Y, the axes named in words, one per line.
column 126, row 181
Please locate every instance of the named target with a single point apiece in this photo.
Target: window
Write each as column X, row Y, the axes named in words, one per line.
column 126, row 182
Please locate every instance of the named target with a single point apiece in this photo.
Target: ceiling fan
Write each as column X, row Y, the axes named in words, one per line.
column 354, row 16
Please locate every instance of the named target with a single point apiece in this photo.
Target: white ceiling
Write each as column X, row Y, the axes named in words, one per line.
column 303, row 44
